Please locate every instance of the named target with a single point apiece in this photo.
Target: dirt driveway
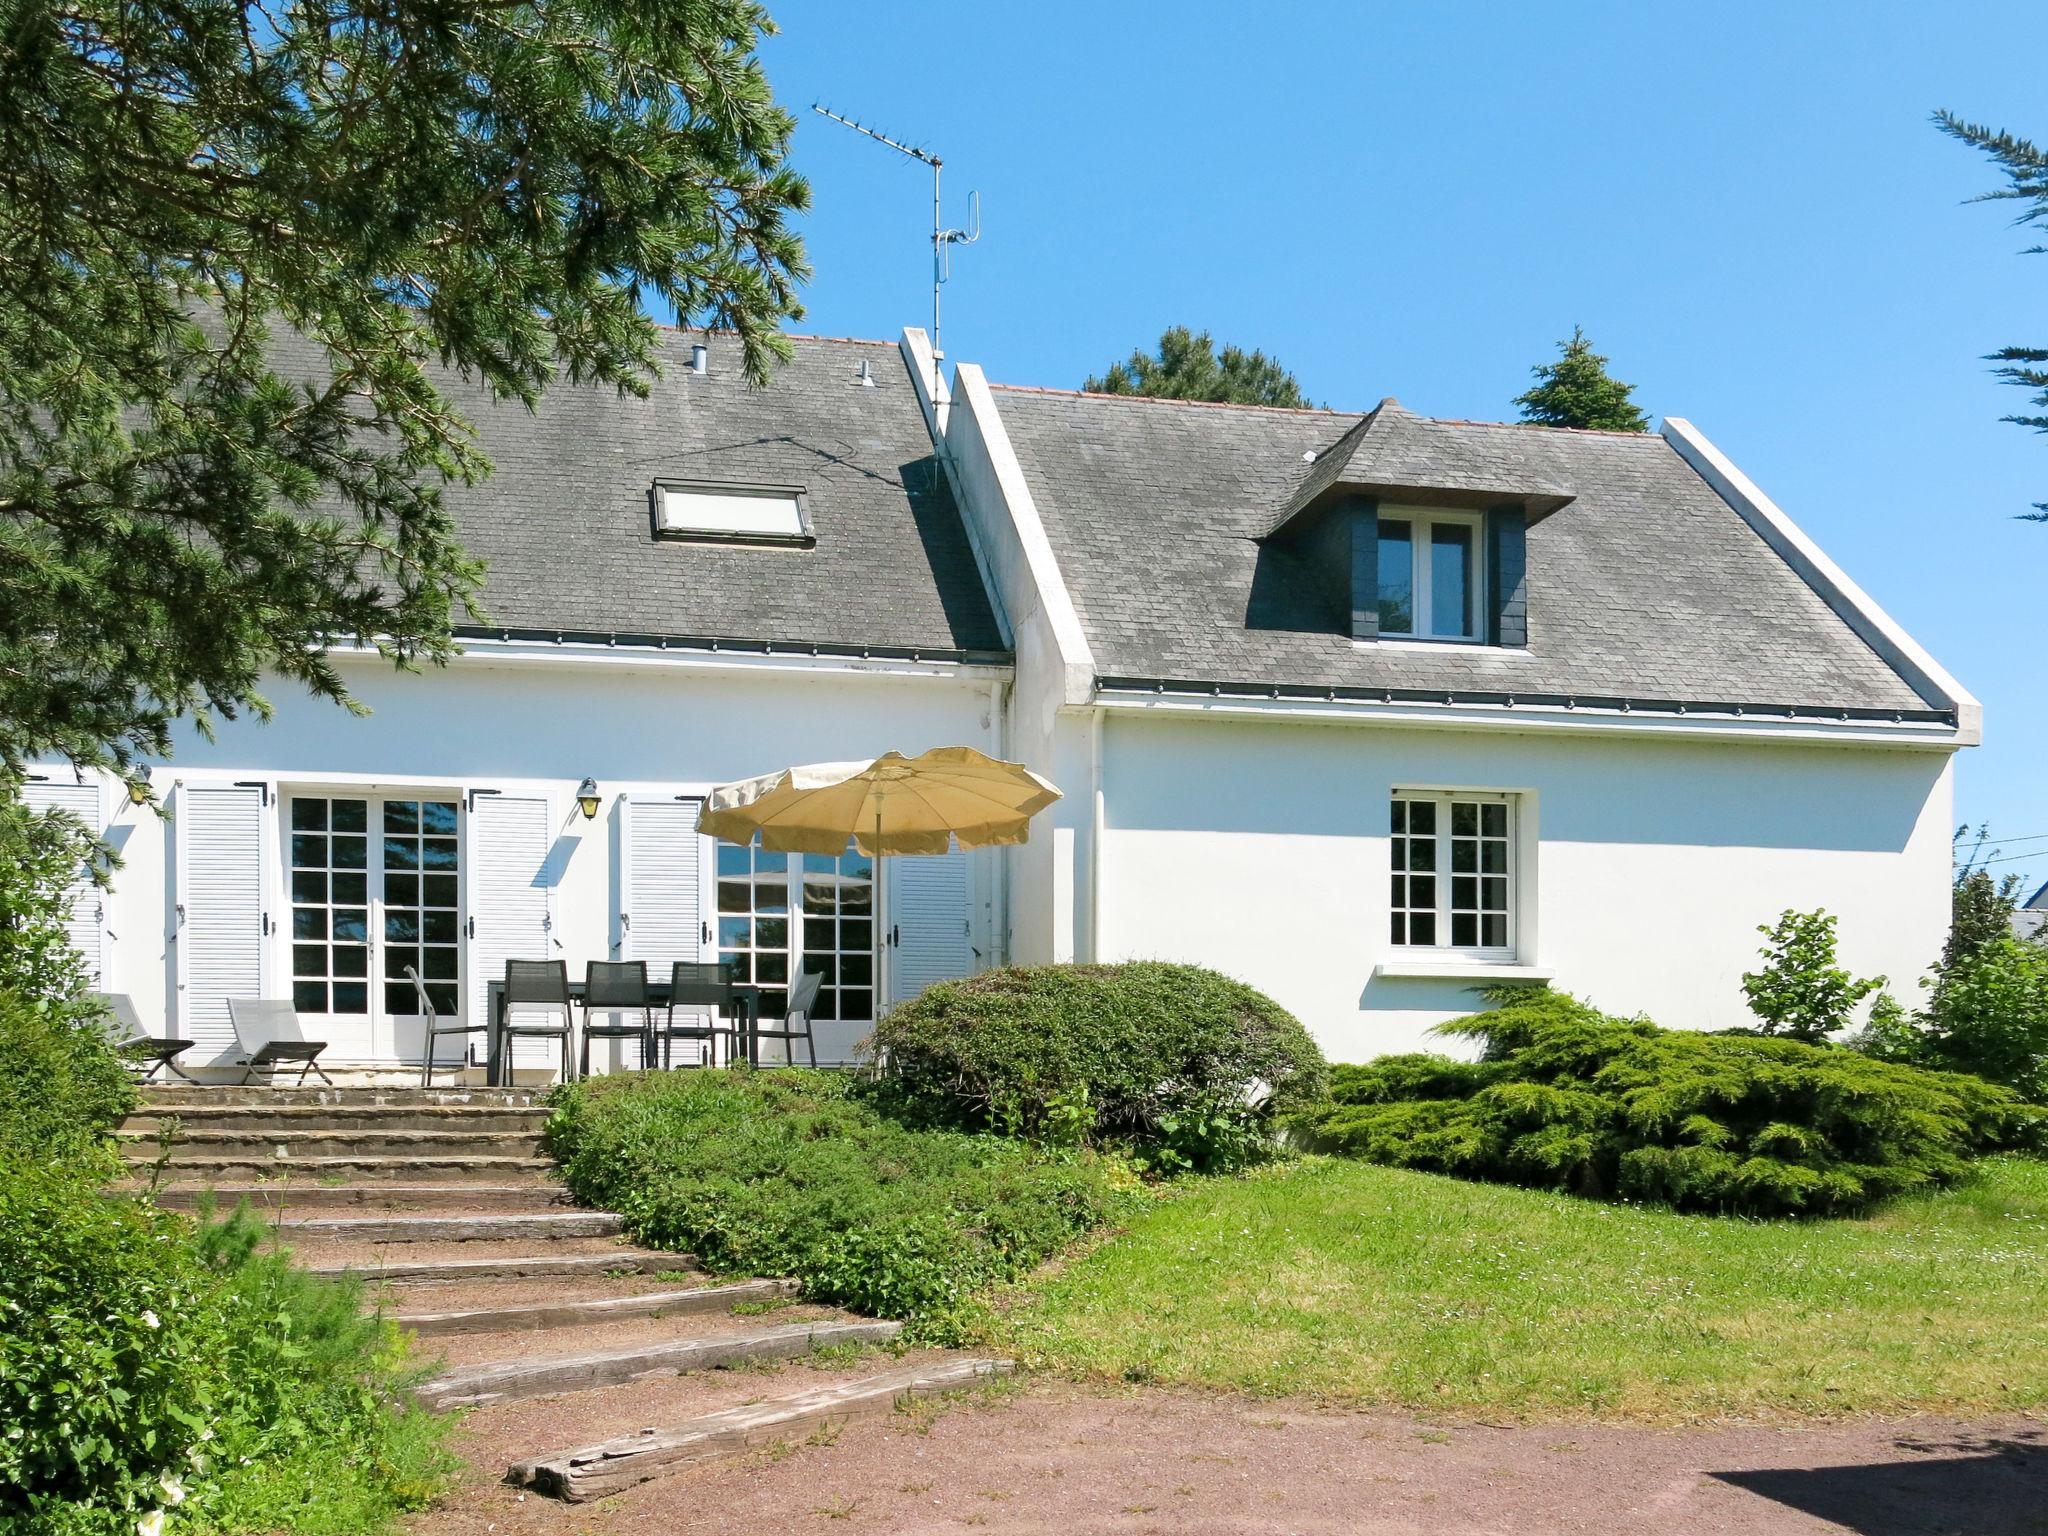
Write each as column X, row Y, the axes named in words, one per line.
column 1065, row 1460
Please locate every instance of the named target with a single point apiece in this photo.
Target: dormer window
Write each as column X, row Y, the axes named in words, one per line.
column 1429, row 575
column 727, row 513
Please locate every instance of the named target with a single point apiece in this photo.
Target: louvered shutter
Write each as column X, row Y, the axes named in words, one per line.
column 84, row 910
column 220, row 910
column 930, row 923
column 507, row 898
column 662, row 865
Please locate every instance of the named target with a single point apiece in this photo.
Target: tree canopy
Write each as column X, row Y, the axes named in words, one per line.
column 1577, row 391
column 1190, row 366
column 2026, row 171
column 494, row 189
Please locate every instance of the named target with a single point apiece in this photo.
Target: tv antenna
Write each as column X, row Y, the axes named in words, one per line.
column 942, row 238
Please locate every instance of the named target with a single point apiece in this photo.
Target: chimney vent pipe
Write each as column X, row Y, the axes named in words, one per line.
column 700, row 358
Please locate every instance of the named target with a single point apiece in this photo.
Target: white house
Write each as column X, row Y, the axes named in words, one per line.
column 1369, row 711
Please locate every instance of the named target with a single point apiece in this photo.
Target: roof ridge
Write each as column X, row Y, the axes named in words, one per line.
column 1212, row 405
column 726, row 330
column 1536, row 426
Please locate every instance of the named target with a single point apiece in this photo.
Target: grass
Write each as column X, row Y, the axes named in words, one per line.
column 1351, row 1282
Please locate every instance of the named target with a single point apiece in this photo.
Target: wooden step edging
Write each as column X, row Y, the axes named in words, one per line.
column 300, row 1194
column 540, row 1266
column 493, row 1227
column 577, row 1314
column 595, row 1471
column 513, row 1380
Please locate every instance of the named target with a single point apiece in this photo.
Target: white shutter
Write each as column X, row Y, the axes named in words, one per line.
column 663, row 861
column 930, row 915
column 84, row 913
column 508, row 874
column 220, row 912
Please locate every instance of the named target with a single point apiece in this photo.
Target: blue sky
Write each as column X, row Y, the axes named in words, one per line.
column 1744, row 205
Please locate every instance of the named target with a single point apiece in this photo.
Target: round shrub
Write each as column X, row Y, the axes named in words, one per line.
column 63, row 1089
column 1186, row 1064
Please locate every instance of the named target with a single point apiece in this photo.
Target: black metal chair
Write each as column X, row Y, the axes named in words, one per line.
column 802, row 999
column 136, row 1045
column 702, row 988
column 535, row 986
column 438, row 1026
column 618, row 988
column 272, row 1037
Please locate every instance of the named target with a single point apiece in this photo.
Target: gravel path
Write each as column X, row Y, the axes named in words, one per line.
column 1070, row 1461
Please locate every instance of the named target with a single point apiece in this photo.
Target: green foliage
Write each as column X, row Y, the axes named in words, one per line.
column 1988, row 1013
column 1801, row 993
column 146, row 1366
column 1576, row 391
column 794, row 1173
column 63, row 1090
column 1190, row 366
column 495, row 190
column 1184, row 1064
column 1980, row 908
column 1568, row 1098
column 2026, row 171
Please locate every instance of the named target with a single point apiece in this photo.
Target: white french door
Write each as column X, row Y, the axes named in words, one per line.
column 374, row 886
column 784, row 915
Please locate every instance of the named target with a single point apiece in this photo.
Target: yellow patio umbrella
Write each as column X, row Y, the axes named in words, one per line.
column 894, row 804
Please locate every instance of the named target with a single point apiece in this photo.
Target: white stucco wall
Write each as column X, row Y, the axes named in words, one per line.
column 1261, row 848
column 634, row 724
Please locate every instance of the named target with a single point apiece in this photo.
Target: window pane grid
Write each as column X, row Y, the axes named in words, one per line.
column 330, row 906
column 1451, row 873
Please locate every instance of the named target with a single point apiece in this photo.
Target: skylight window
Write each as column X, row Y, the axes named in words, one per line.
column 749, row 514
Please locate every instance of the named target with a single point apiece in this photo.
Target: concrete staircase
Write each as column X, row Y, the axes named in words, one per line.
column 442, row 1200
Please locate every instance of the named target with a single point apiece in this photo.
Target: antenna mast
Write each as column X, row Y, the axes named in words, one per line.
column 942, row 237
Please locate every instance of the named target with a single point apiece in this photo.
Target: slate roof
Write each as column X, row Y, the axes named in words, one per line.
column 1647, row 585
column 564, row 525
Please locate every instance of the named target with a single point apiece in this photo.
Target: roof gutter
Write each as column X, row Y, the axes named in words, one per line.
column 1453, row 710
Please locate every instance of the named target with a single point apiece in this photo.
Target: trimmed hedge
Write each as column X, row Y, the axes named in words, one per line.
column 793, row 1172
column 1569, row 1098
column 1183, row 1063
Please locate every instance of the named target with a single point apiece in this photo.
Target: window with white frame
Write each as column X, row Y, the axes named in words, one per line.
column 743, row 513
column 1454, row 871
column 1430, row 575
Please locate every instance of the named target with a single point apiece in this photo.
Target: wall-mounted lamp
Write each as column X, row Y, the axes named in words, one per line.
column 138, row 791
column 586, row 799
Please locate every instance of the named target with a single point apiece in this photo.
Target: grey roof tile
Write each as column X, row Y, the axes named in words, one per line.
column 1646, row 586
column 564, row 524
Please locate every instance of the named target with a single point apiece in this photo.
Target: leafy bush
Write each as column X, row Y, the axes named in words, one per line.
column 147, row 1365
column 1568, row 1098
column 794, row 1173
column 1988, row 1014
column 1187, row 1065
column 62, row 1087
column 1801, row 993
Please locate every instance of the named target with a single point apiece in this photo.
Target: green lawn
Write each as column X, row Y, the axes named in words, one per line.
column 1348, row 1281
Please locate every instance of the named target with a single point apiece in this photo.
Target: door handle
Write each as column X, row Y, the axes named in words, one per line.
column 706, row 931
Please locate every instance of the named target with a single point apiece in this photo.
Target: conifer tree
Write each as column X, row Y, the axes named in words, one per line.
column 497, row 188
column 1577, row 391
column 1190, row 366
column 2026, row 169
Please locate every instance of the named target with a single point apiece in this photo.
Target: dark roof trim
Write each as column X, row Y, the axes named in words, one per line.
column 1183, row 687
column 719, row 645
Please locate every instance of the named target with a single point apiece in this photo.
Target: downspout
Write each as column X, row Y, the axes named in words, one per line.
column 999, row 901
column 1095, row 724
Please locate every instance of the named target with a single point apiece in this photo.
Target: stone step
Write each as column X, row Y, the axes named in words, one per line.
column 512, row 1380
column 595, row 1311
column 181, row 1098
column 520, row 1226
column 292, row 1145
column 271, row 1118
column 610, row 1466
column 216, row 1167
column 643, row 1261
column 299, row 1194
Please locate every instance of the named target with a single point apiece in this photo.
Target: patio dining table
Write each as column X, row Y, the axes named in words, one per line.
column 740, row 1002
